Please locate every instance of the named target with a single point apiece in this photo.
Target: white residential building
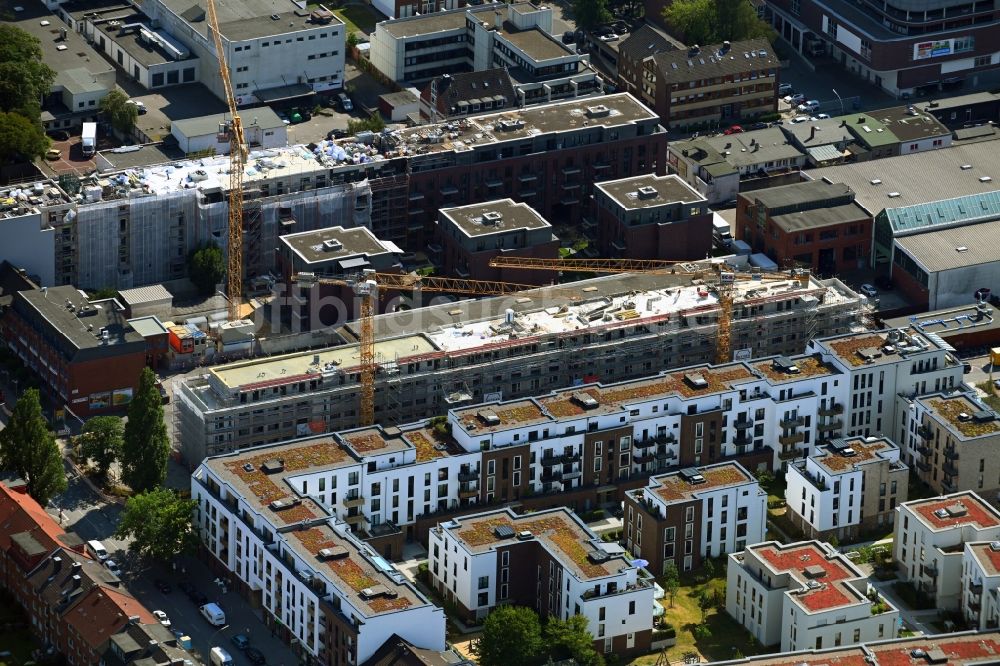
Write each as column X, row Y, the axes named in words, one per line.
column 929, row 534
column 699, row 512
column 318, row 584
column 981, row 584
column 805, row 595
column 549, row 561
column 848, row 487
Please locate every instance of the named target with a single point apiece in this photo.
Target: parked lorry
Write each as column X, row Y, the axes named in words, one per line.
column 89, row 141
column 721, row 232
column 220, row 657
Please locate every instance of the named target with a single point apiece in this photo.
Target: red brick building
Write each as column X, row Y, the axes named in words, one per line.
column 86, row 354
column 652, row 217
column 468, row 237
column 815, row 223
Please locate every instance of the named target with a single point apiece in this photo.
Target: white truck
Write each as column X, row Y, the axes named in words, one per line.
column 721, row 233
column 220, row 657
column 89, row 139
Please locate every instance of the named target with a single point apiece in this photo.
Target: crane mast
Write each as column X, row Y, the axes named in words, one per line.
column 238, row 153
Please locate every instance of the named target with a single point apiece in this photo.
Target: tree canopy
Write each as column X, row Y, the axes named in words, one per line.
column 146, row 446
column 101, row 441
column 24, row 78
column 119, row 112
column 206, row 268
column 28, row 447
column 589, row 14
column 512, row 636
column 671, row 580
column 571, row 639
column 20, row 138
column 159, row 524
column 713, row 21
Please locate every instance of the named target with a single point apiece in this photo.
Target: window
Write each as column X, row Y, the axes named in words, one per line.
column 484, row 581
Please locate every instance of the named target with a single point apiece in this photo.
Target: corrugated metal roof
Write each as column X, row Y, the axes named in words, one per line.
column 957, row 247
column 972, row 208
column 153, row 293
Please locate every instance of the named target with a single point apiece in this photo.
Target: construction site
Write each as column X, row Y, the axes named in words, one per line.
column 431, row 359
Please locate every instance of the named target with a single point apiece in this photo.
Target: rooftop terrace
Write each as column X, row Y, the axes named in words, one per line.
column 679, row 487
column 494, row 217
column 821, row 573
column 964, row 417
column 333, row 243
column 779, row 370
column 649, row 190
column 868, row 348
column 957, row 510
column 853, row 452
column 558, row 530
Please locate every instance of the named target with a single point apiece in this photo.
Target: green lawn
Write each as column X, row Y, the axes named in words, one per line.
column 727, row 637
column 357, row 18
column 991, row 399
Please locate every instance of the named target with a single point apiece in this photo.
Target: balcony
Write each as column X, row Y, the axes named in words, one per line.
column 924, row 432
column 793, row 422
column 383, row 529
column 951, row 453
column 465, row 476
column 789, row 454
column 743, row 440
column 354, row 518
column 930, row 570
column 974, row 604
column 553, row 475
column 949, row 485
column 834, row 409
column 643, row 456
column 527, row 177
column 949, row 469
column 665, row 454
column 549, row 461
column 353, row 501
column 644, row 443
column 572, row 476
column 924, row 450
column 794, row 438
column 742, row 423
column 835, row 424
column 975, row 588
column 923, row 466
column 467, row 492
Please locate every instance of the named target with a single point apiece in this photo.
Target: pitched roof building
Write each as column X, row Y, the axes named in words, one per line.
column 455, row 95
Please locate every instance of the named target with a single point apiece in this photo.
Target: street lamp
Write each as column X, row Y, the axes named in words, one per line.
column 211, row 639
column 839, row 99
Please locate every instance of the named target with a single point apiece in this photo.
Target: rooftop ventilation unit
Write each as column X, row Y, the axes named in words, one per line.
column 332, row 553
column 248, row 467
column 585, row 400
column 985, row 179
column 598, row 556
column 869, row 354
column 282, row 504
column 696, row 380
column 503, row 531
column 893, row 195
column 492, row 217
column 489, row 417
column 647, row 192
column 692, row 475
column 983, row 416
column 814, row 571
column 599, row 111
column 332, row 245
column 941, row 513
column 785, row 365
column 964, row 416
column 509, row 124
column 965, row 167
column 995, row 546
column 848, row 451
column 376, row 591
column 956, row 510
column 273, row 466
column 525, row 535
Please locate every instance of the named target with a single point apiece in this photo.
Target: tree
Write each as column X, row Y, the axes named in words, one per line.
column 119, row 112
column 206, row 268
column 571, row 639
column 159, row 524
column 705, row 603
column 512, row 636
column 24, row 77
column 373, row 123
column 352, row 39
column 146, row 446
column 101, row 441
column 20, row 138
column 28, row 448
column 671, row 581
column 709, row 568
column 702, row 632
column 713, row 21
column 589, row 14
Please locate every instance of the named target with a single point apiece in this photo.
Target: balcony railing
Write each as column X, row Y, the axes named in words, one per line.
column 468, row 476
column 466, row 493
column 923, row 466
column 794, row 438
column 949, row 469
column 793, row 422
column 833, row 410
column 549, row 461
column 788, row 454
column 930, row 570
column 742, row 423
column 975, row 588
column 352, row 501
column 924, row 450
column 354, row 518
column 951, row 453
column 743, row 440
column 835, row 424
column 924, row 432
column 643, row 456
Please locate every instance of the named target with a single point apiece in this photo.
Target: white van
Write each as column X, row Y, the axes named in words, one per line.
column 97, row 550
column 220, row 657
column 213, row 614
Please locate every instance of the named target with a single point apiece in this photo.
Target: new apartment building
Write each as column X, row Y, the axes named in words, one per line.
column 547, row 560
column 805, row 596
column 516, row 37
column 721, row 84
column 434, row 358
column 651, row 217
column 469, row 237
column 928, row 542
column 951, row 440
column 849, row 487
column 264, row 517
column 694, row 513
column 980, row 602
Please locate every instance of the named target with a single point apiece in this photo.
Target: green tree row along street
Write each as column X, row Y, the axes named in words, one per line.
column 159, row 524
column 24, row 80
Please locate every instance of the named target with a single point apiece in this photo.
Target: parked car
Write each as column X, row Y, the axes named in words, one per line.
column 336, row 134
column 808, row 107
column 608, row 38
column 254, row 656
column 800, row 119
column 821, row 116
column 52, row 154
column 241, row 641
column 735, row 129
column 113, row 568
column 794, row 99
column 758, row 126
column 162, row 618
column 869, row 290
column 785, row 89
column 58, row 135
column 139, row 106
column 346, row 104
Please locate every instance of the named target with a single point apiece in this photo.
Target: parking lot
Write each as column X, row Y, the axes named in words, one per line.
column 71, row 158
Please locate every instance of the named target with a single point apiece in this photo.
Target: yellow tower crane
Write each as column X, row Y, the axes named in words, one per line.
column 366, row 288
column 238, row 153
column 724, row 281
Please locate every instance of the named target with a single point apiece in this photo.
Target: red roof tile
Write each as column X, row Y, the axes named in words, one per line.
column 20, row 513
column 103, row 612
